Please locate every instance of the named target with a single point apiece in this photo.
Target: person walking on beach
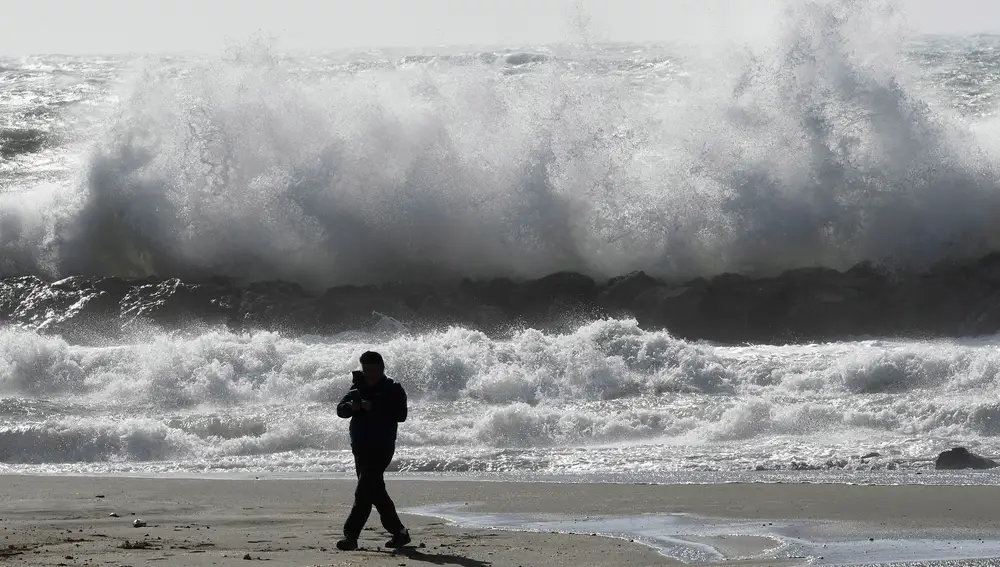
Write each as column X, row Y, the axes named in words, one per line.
column 376, row 405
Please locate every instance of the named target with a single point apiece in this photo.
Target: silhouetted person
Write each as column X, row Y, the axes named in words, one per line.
column 376, row 405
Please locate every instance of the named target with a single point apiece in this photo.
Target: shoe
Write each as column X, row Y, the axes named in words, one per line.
column 399, row 540
column 347, row 544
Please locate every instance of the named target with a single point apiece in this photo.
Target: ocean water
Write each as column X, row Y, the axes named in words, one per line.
column 837, row 141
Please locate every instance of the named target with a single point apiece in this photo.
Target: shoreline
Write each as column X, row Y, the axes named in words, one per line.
column 292, row 522
column 913, row 477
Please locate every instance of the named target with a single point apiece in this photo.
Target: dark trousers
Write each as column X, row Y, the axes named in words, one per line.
column 370, row 465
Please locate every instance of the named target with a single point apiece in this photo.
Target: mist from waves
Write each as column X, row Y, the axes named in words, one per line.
column 813, row 149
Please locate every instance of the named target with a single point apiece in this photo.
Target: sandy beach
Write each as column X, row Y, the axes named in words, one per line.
column 66, row 520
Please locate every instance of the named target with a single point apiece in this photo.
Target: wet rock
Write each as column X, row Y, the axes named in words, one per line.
column 960, row 458
column 72, row 307
column 276, row 305
column 809, row 304
column 173, row 303
column 559, row 286
column 681, row 309
column 621, row 292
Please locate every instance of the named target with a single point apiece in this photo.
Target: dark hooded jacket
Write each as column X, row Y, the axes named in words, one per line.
column 374, row 429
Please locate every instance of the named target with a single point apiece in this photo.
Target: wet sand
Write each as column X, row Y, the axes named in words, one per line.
column 65, row 520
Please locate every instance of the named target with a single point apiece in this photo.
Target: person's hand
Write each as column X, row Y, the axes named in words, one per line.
column 366, row 405
column 355, row 405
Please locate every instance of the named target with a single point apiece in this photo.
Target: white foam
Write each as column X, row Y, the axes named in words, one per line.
column 605, row 398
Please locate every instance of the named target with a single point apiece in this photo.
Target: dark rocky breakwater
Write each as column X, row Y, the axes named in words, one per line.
column 815, row 304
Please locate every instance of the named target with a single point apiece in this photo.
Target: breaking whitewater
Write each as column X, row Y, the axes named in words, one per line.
column 840, row 159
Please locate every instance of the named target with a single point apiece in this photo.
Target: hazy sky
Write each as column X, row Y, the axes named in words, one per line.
column 89, row 26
